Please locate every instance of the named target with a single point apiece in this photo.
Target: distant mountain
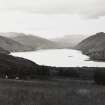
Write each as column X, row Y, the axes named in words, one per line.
column 94, row 46
column 32, row 41
column 2, row 51
column 69, row 41
column 12, row 46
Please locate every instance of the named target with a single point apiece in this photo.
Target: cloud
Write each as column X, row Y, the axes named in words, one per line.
column 85, row 8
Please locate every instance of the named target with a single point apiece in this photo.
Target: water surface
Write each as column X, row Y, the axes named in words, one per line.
column 60, row 58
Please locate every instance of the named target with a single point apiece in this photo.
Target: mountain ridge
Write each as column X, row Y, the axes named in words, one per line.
column 94, row 46
column 11, row 45
column 69, row 41
column 32, row 41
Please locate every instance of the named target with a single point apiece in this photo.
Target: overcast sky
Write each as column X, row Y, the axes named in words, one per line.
column 52, row 18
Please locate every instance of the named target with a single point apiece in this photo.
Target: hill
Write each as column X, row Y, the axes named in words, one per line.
column 16, row 67
column 69, row 41
column 94, row 46
column 12, row 46
column 2, row 51
column 32, row 41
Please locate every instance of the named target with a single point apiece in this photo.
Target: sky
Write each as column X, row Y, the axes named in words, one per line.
column 52, row 18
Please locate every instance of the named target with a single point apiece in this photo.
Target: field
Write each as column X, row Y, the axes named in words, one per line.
column 53, row 92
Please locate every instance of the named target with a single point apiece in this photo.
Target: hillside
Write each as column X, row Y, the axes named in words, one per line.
column 94, row 46
column 2, row 51
column 32, row 41
column 11, row 45
column 69, row 41
column 15, row 66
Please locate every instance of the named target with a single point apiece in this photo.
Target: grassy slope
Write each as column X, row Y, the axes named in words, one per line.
column 61, row 92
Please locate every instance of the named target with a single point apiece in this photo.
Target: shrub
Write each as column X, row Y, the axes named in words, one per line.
column 70, row 72
column 43, row 72
column 99, row 77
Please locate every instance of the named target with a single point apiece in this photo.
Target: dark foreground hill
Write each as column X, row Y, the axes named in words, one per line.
column 94, row 46
column 32, row 41
column 16, row 67
column 12, row 46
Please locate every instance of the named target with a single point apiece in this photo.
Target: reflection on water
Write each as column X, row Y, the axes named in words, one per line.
column 60, row 58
